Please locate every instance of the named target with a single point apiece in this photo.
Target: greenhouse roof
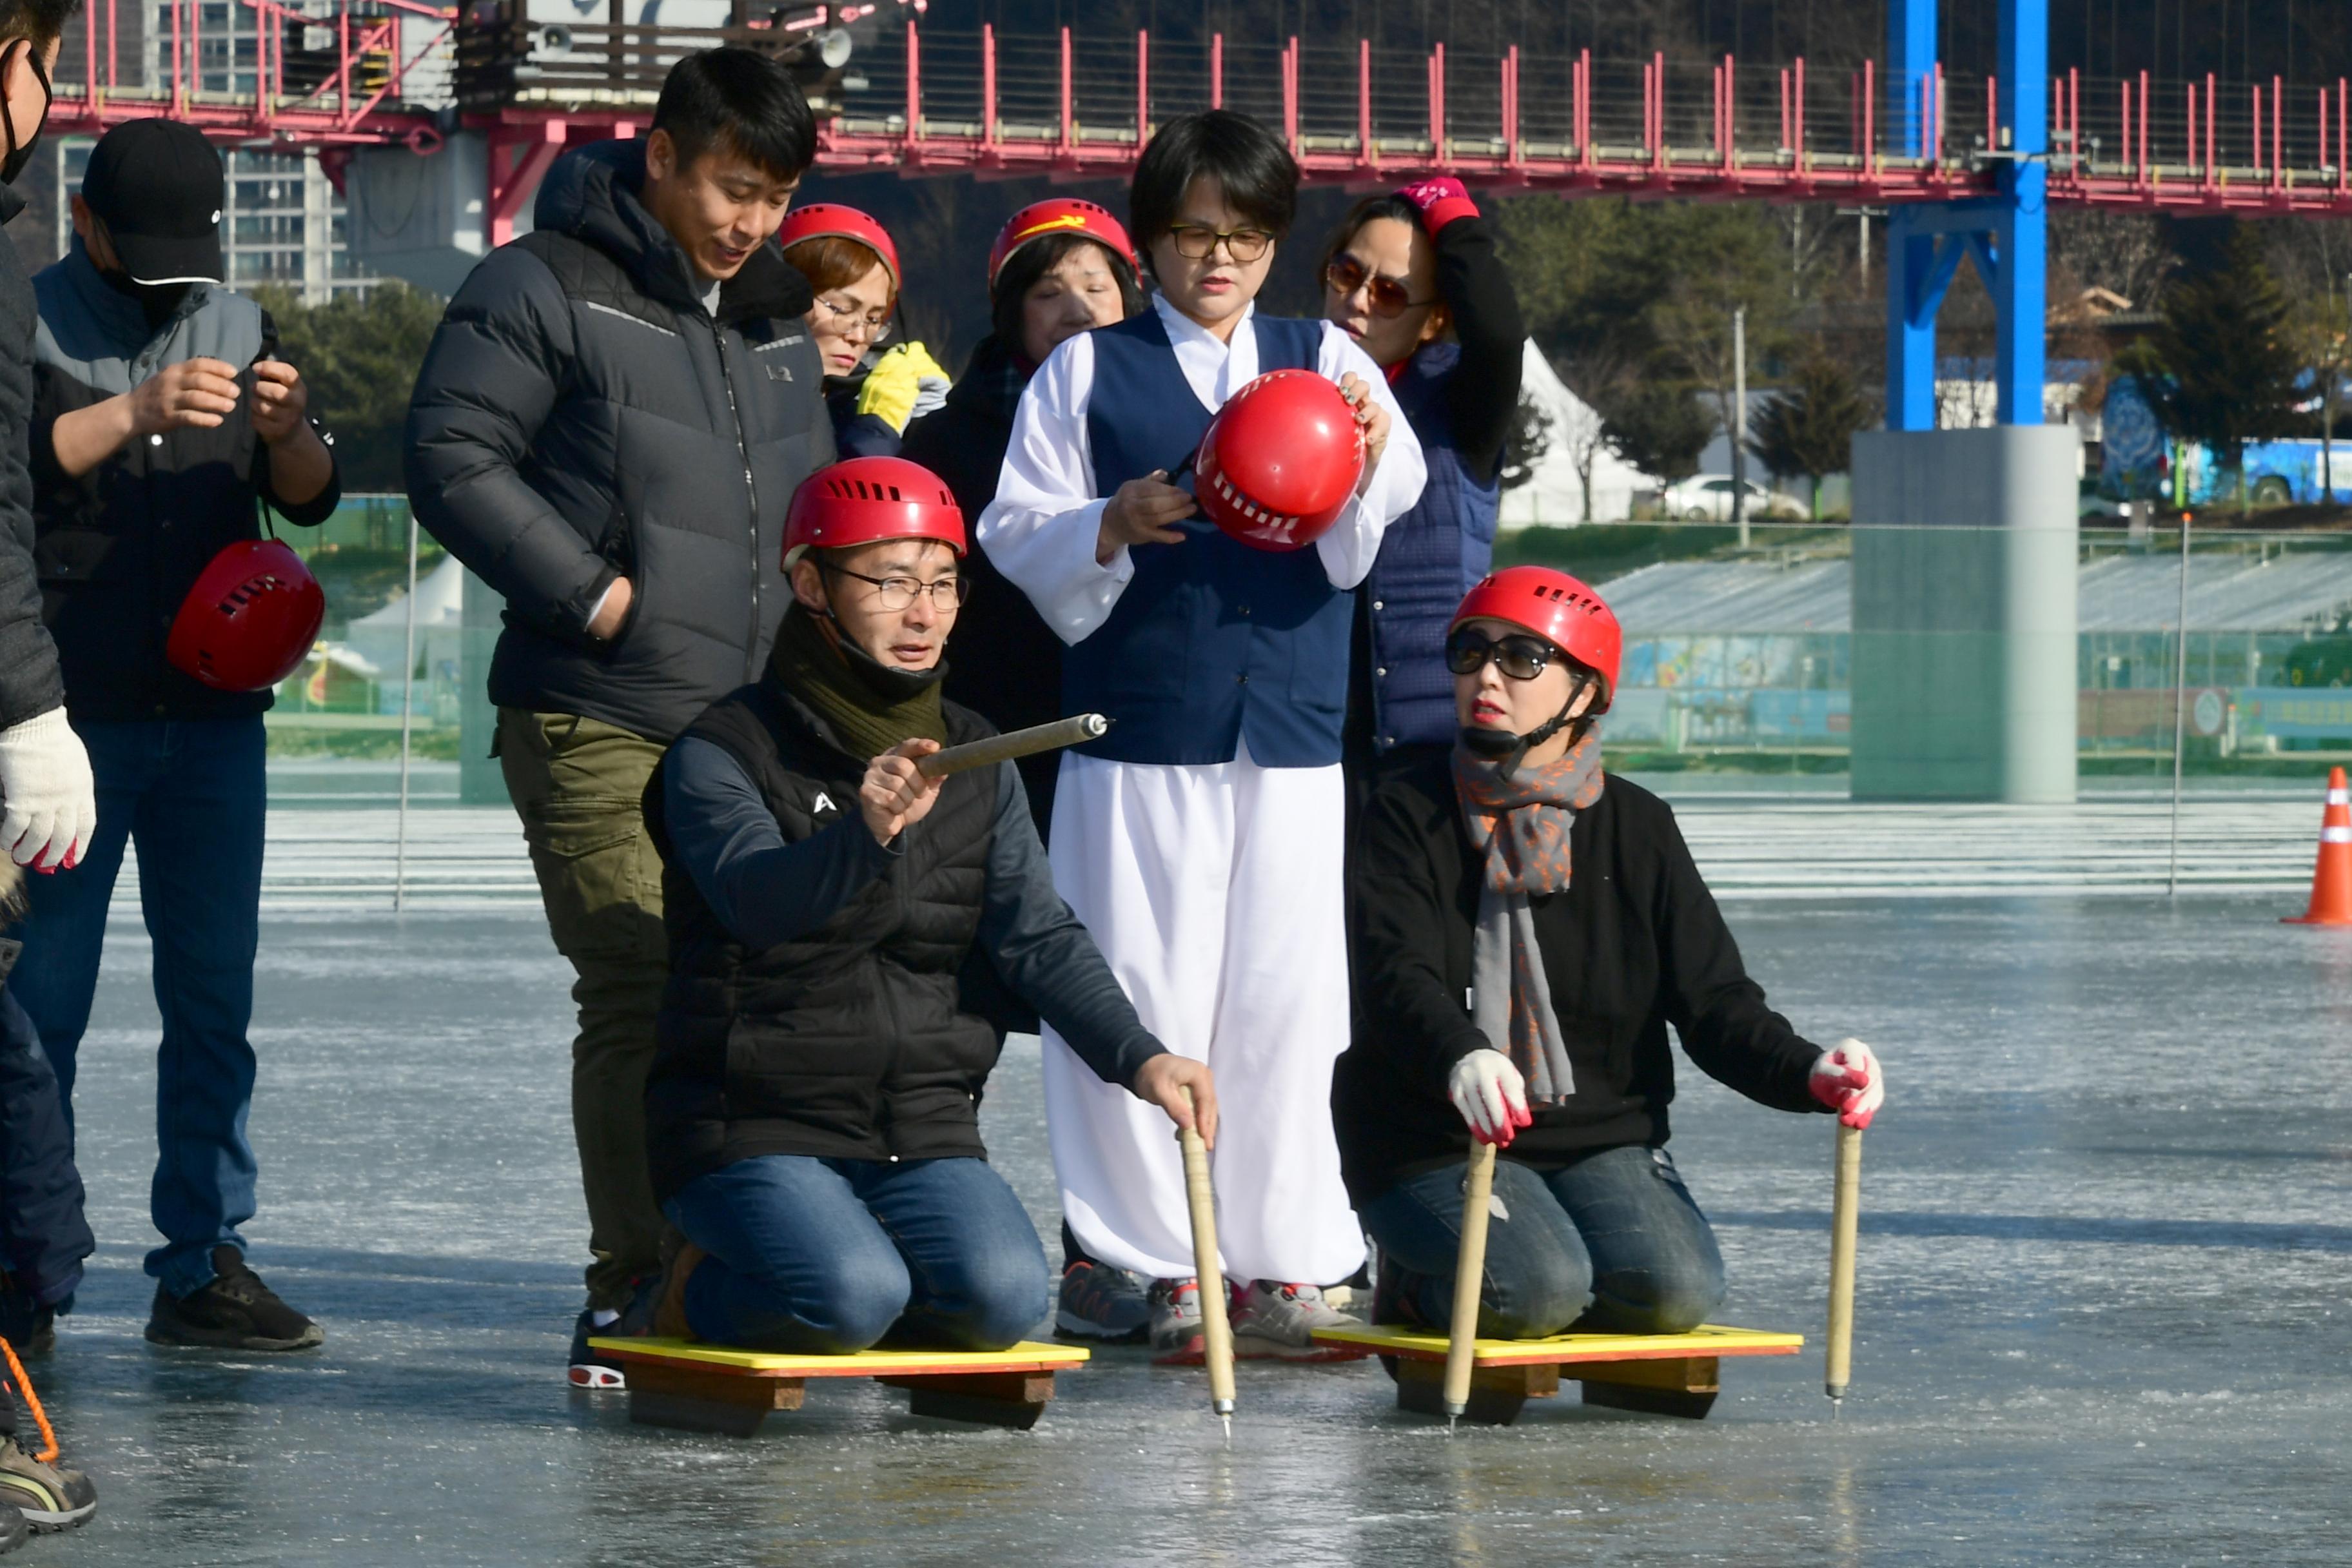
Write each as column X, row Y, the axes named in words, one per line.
column 2285, row 593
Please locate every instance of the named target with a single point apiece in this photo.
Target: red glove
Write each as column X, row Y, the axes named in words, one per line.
column 1849, row 1081
column 1441, row 201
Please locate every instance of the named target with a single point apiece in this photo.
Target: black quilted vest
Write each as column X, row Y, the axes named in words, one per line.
column 849, row 1041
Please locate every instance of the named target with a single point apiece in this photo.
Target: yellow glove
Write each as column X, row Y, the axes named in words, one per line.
column 905, row 385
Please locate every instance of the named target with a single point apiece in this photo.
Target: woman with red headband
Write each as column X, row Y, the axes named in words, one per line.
column 1413, row 276
column 1530, row 927
column 872, row 393
column 1059, row 267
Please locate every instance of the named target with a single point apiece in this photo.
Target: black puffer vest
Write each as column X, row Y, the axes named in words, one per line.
column 849, row 1042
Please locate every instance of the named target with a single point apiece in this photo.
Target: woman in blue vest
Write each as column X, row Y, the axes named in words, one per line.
column 1201, row 841
column 1413, row 279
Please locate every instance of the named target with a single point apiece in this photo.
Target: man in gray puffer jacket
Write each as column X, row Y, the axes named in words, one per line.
column 608, row 429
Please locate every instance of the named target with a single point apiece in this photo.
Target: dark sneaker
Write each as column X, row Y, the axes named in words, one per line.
column 1394, row 1304
column 49, row 1496
column 590, row 1368
column 1178, row 1338
column 1100, row 1303
column 1279, row 1321
column 13, row 1530
column 234, row 1311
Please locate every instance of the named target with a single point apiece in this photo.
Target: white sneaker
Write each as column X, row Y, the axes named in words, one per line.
column 1279, row 1321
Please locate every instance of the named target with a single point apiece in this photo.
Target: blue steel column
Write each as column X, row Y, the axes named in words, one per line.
column 1910, row 254
column 2018, row 285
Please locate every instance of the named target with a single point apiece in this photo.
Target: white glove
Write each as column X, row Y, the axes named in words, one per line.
column 931, row 396
column 1491, row 1096
column 48, row 804
column 1849, row 1080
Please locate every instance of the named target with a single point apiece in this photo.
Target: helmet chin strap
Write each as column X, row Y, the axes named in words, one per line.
column 1508, row 751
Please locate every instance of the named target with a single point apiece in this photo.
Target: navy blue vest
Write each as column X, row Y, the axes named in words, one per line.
column 1211, row 642
column 1429, row 559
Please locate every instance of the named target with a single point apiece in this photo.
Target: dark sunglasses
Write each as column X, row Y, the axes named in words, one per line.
column 1344, row 274
column 1522, row 657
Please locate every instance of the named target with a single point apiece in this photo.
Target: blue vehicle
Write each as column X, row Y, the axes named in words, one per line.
column 2139, row 462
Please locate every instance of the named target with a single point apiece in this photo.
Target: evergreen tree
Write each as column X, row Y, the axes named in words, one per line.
column 1808, row 427
column 1661, row 429
column 360, row 354
column 2222, row 367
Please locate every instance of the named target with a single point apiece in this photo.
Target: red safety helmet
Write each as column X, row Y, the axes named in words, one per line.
column 831, row 220
column 866, row 501
column 254, row 613
column 1280, row 459
column 1063, row 214
column 1558, row 608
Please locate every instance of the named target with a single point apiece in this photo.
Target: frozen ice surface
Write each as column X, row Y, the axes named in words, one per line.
column 2103, row 1313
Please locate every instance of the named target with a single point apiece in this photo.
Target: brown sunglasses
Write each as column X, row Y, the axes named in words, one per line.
column 1344, row 274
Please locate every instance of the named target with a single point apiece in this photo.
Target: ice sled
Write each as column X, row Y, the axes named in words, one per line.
column 711, row 1388
column 1661, row 1374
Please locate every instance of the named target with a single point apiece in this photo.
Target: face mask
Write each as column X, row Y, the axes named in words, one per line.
column 20, row 154
column 158, row 301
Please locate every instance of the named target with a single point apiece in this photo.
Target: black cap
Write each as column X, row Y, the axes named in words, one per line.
column 157, row 185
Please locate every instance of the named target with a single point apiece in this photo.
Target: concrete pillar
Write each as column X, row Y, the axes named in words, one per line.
column 1964, row 632
column 479, row 781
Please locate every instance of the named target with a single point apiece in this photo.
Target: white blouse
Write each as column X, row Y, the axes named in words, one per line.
column 1043, row 528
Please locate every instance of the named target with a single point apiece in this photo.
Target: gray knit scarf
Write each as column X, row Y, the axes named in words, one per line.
column 1520, row 826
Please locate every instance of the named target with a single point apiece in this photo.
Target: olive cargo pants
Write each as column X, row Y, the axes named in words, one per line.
column 578, row 784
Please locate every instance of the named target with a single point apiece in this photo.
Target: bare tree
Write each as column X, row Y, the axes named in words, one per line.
column 1598, row 375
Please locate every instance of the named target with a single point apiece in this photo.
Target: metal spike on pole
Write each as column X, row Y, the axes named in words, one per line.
column 407, row 710
column 2179, row 708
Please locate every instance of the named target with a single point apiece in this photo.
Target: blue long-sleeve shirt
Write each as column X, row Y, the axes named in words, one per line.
column 765, row 890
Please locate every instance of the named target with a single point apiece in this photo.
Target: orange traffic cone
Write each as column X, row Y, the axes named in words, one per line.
column 2331, row 879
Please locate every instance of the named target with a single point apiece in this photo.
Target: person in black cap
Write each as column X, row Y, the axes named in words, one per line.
column 163, row 420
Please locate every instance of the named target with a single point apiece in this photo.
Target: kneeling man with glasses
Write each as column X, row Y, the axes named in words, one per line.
column 813, row 1113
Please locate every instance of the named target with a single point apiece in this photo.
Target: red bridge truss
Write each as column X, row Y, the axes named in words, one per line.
column 342, row 74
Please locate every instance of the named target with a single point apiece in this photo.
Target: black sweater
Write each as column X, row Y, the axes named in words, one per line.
column 1634, row 943
column 1476, row 289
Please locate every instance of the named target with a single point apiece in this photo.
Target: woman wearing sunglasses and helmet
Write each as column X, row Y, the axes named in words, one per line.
column 1413, row 276
column 1528, row 928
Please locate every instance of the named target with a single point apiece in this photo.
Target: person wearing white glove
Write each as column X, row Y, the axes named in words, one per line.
column 1532, row 935
column 48, row 805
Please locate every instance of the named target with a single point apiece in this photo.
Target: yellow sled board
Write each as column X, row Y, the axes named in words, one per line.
column 1663, row 1374
column 714, row 1388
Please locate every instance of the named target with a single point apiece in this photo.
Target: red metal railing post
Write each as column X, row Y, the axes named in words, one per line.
column 988, row 84
column 2278, row 135
column 1583, row 121
column 1511, row 107
column 1216, row 70
column 1870, row 118
column 1730, row 116
column 2146, row 170
column 2257, row 92
column 1797, row 115
column 1784, row 109
column 2074, row 115
column 914, row 132
column 1069, row 106
column 342, row 58
column 1437, row 103
column 1657, row 107
column 2342, row 142
column 1143, row 87
column 1367, row 152
column 2212, row 113
column 1290, row 96
column 1992, row 113
column 90, row 58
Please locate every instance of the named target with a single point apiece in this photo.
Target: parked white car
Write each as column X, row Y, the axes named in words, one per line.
column 1707, row 498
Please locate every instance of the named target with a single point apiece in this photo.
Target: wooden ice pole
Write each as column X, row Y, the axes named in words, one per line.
column 1845, row 1204
column 1072, row 732
column 1469, row 1273
column 1216, row 1330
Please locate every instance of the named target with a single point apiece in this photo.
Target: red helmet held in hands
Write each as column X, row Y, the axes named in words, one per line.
column 253, row 614
column 1061, row 214
column 866, row 501
column 1280, row 459
column 831, row 220
column 1558, row 608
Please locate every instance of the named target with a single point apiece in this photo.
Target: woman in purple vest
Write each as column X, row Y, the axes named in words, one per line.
column 1413, row 279
column 1201, row 841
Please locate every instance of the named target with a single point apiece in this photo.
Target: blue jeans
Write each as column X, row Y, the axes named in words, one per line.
column 43, row 1236
column 1612, row 1244
column 828, row 1257
column 192, row 793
